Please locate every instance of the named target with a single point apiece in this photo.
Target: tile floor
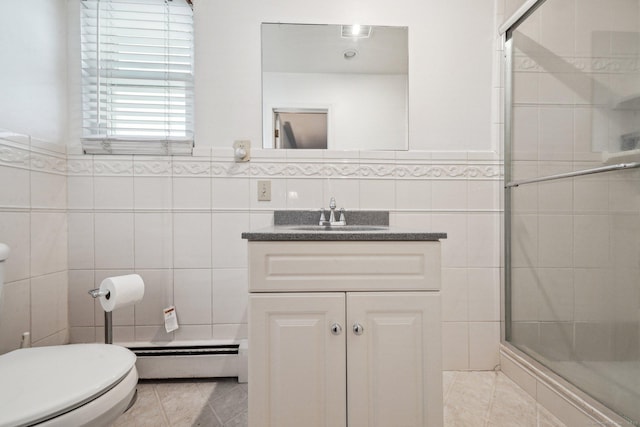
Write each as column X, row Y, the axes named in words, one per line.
column 483, row 399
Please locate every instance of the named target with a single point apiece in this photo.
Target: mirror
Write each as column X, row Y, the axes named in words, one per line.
column 341, row 87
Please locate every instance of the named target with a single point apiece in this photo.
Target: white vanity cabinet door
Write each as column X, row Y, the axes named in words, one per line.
column 394, row 359
column 297, row 366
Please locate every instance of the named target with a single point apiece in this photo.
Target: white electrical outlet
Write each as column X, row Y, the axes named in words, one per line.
column 264, row 191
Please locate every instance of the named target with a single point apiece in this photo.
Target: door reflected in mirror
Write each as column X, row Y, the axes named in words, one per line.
column 300, row 129
column 341, row 88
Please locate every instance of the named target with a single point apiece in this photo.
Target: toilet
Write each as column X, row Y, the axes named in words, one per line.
column 66, row 385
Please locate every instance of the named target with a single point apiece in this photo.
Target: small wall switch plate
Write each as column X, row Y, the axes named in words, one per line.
column 264, row 191
column 242, row 151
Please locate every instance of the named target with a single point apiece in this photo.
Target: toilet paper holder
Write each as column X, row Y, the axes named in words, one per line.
column 108, row 315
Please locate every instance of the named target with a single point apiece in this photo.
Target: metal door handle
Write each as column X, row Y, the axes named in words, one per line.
column 358, row 329
column 336, row 329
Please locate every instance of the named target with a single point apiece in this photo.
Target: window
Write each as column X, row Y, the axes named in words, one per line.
column 137, row 77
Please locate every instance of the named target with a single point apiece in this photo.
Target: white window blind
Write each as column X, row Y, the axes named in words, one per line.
column 137, row 77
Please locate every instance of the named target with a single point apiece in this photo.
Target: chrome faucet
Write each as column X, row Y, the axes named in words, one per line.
column 332, row 216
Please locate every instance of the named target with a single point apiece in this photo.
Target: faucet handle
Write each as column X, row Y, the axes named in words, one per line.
column 323, row 219
column 332, row 203
column 342, row 219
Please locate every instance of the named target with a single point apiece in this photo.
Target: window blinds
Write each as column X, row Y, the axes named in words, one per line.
column 137, row 77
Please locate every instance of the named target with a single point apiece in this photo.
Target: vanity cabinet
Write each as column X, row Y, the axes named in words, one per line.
column 344, row 333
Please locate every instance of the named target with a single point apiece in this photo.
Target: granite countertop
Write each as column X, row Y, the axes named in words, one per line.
column 361, row 226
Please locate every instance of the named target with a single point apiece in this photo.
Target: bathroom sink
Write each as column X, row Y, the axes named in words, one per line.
column 343, row 228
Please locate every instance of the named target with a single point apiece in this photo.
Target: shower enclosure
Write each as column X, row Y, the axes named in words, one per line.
column 572, row 194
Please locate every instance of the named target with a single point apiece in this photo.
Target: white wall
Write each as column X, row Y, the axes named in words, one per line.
column 33, row 79
column 450, row 65
column 366, row 111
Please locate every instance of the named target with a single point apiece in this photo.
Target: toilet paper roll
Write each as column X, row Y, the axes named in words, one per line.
column 122, row 291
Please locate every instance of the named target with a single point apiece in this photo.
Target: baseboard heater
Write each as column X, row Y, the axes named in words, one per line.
column 194, row 361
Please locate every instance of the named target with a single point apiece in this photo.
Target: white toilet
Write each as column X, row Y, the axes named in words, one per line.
column 68, row 385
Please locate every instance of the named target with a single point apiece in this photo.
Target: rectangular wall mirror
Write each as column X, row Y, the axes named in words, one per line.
column 341, row 87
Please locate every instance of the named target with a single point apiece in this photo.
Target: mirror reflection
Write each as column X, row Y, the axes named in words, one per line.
column 341, row 87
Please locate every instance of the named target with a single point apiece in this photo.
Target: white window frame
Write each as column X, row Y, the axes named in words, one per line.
column 137, row 77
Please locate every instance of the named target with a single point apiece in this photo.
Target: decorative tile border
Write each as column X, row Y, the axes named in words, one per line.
column 78, row 165
column 523, row 63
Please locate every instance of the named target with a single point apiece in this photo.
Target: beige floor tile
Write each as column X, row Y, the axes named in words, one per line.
column 472, row 399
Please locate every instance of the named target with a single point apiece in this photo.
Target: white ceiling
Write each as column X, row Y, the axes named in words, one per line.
column 301, row 48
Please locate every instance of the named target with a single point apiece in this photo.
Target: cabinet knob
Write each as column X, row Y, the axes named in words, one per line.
column 358, row 329
column 336, row 329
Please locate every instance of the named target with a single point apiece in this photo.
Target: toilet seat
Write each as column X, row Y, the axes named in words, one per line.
column 42, row 383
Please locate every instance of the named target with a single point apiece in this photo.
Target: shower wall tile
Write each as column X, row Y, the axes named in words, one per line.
column 15, row 231
column 192, row 193
column 556, row 294
column 555, row 236
column 307, row 194
column 555, row 197
column 593, row 295
column 554, row 90
column 591, row 241
column 454, row 247
column 231, row 193
column 450, row 195
column 83, row 334
column 113, row 192
column 411, row 220
column 152, row 192
column 158, row 295
column 525, row 294
column 49, row 305
column 525, row 133
column 556, row 133
column 230, row 290
column 193, row 296
column 16, row 195
column 455, row 346
column 482, row 351
column 229, row 331
column 558, row 20
column 556, row 340
column 48, row 242
column 413, row 195
column 193, row 333
column 591, row 196
column 48, row 190
column 455, row 295
column 526, row 88
column 81, row 242
column 114, row 240
column 192, row 240
column 153, row 241
column 14, row 318
column 483, row 235
column 484, row 294
column 377, row 194
column 82, row 309
column 151, row 334
column 483, row 195
column 80, row 192
column 229, row 249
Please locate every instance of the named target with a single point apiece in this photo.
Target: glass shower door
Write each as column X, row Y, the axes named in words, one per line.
column 573, row 195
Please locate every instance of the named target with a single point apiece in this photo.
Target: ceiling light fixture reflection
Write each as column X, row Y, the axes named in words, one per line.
column 356, row 31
